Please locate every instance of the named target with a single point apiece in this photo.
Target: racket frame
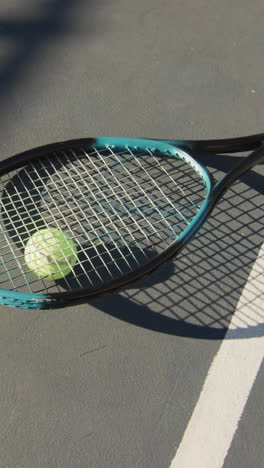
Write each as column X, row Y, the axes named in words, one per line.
column 182, row 149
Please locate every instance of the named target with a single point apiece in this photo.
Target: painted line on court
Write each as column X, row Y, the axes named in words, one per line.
column 216, row 416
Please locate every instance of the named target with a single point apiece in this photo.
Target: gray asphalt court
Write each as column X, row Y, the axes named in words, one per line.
column 116, row 383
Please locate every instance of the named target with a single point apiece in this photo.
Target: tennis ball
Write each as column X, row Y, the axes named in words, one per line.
column 50, row 254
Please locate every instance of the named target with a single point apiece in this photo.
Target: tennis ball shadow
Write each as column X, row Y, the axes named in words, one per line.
column 97, row 266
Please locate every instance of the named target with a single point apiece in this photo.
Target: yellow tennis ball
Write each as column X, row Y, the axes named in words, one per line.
column 50, row 254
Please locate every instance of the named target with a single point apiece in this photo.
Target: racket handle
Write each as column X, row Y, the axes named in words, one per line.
column 230, row 145
column 241, row 168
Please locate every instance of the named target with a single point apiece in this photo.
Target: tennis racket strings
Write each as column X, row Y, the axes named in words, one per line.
column 121, row 209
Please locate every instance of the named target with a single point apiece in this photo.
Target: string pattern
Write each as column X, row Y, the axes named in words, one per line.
column 121, row 208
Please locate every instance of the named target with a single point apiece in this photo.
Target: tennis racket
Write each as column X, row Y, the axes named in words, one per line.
column 129, row 205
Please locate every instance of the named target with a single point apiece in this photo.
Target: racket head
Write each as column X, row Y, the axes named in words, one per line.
column 103, row 167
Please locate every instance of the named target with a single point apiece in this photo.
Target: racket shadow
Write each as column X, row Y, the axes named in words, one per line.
column 98, row 266
column 197, row 295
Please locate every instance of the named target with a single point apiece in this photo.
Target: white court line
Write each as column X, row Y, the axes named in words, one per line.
column 216, row 416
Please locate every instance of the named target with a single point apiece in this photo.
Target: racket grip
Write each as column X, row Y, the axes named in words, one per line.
column 229, row 145
column 248, row 163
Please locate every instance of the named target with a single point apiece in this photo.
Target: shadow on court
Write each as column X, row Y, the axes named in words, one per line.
column 29, row 34
column 196, row 295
